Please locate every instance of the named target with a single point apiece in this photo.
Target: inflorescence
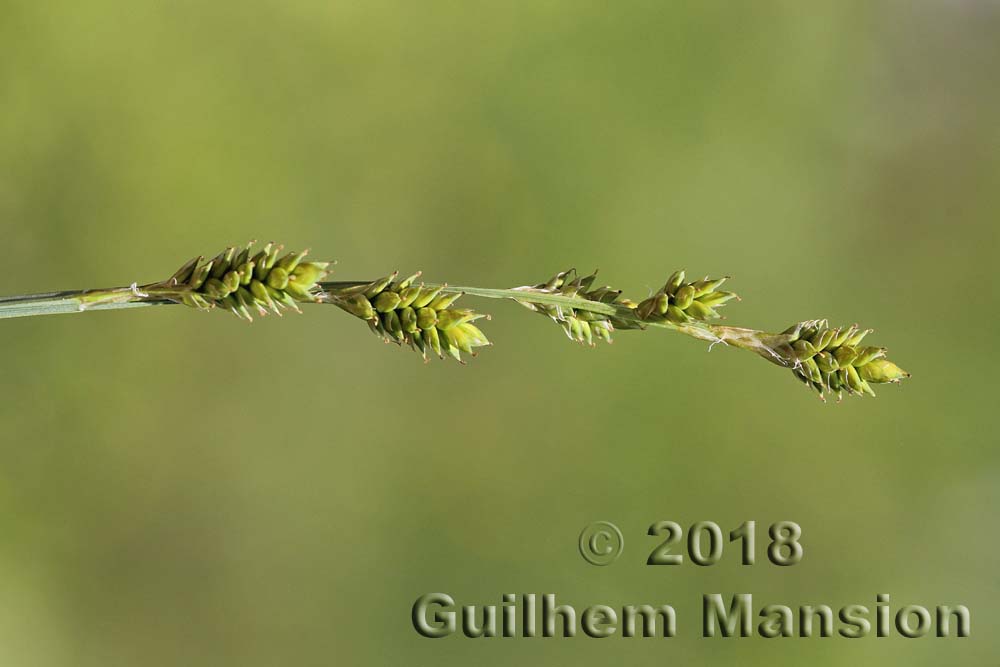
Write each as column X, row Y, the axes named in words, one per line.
column 425, row 317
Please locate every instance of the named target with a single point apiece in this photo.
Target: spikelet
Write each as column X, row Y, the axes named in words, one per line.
column 420, row 316
column 580, row 325
column 679, row 301
column 242, row 282
column 835, row 361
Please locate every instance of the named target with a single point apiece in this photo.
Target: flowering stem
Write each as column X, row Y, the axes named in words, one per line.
column 826, row 359
column 759, row 342
column 117, row 298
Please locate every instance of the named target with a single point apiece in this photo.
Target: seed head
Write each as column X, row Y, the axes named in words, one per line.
column 420, row 316
column 582, row 326
column 241, row 281
column 679, row 301
column 835, row 361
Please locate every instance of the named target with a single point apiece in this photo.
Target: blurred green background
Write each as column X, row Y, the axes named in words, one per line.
column 181, row 488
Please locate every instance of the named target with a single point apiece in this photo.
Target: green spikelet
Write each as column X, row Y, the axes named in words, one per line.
column 245, row 283
column 679, row 301
column 834, row 360
column 581, row 326
column 422, row 317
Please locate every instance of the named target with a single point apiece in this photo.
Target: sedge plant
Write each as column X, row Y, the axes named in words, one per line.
column 427, row 317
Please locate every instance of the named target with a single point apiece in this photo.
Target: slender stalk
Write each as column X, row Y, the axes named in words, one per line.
column 119, row 298
column 74, row 301
column 252, row 283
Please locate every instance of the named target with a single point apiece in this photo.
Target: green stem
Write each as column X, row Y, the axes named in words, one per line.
column 75, row 301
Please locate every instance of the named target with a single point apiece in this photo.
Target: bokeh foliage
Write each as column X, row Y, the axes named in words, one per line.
column 180, row 488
